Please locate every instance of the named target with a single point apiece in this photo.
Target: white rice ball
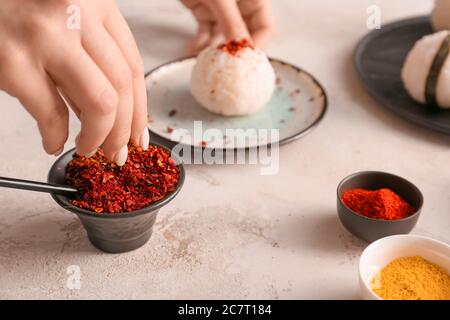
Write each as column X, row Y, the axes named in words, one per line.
column 440, row 17
column 233, row 84
column 417, row 68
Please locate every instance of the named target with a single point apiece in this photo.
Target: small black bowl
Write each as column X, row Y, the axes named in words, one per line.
column 372, row 229
column 113, row 233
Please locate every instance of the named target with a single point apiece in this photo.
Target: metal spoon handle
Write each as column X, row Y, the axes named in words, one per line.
column 36, row 186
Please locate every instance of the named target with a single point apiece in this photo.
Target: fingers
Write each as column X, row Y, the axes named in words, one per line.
column 104, row 51
column 202, row 39
column 118, row 28
column 262, row 37
column 206, row 24
column 89, row 89
column 262, row 24
column 229, row 18
column 41, row 99
column 70, row 103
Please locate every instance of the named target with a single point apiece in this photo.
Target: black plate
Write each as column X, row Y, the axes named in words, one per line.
column 379, row 60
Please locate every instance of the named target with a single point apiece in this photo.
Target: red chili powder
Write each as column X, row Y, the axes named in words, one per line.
column 234, row 46
column 147, row 177
column 381, row 204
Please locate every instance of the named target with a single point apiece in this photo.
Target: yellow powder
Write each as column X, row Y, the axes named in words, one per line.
column 412, row 278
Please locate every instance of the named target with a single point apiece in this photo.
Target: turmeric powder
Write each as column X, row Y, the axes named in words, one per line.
column 412, row 278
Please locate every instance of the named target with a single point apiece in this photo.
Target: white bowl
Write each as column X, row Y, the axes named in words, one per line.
column 382, row 252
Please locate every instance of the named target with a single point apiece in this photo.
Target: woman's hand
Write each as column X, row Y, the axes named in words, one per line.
column 232, row 19
column 84, row 51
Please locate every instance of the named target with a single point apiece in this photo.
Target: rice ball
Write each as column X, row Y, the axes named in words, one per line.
column 440, row 17
column 233, row 79
column 418, row 66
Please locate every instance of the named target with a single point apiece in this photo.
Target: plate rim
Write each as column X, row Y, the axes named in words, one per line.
column 384, row 102
column 281, row 142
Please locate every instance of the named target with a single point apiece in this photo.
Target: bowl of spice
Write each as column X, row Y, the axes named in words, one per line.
column 118, row 205
column 373, row 205
column 405, row 267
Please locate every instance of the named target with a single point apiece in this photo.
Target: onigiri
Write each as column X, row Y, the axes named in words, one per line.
column 419, row 66
column 440, row 17
column 234, row 79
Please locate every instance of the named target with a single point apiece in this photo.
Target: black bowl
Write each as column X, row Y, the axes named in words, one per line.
column 372, row 229
column 113, row 233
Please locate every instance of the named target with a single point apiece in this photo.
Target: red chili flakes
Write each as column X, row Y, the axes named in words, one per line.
column 234, row 46
column 172, row 113
column 203, row 144
column 170, row 130
column 147, row 177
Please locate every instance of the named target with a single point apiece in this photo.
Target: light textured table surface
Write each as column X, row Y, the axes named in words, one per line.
column 232, row 233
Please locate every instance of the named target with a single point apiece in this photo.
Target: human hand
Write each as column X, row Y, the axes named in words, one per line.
column 95, row 66
column 232, row 19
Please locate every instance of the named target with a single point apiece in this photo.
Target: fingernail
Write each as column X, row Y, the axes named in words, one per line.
column 57, row 153
column 121, row 156
column 145, row 139
column 90, row 154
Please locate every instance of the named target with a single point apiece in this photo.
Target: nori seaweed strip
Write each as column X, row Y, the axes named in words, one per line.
column 435, row 71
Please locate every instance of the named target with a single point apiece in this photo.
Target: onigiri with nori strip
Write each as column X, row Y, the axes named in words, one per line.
column 234, row 79
column 427, row 70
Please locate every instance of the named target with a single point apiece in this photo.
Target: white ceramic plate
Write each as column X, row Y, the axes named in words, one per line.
column 298, row 105
column 382, row 252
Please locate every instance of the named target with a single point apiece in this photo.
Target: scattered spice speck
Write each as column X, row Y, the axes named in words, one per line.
column 292, row 109
column 169, row 129
column 172, row 113
column 203, row 144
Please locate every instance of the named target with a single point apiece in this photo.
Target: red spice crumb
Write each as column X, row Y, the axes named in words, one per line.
column 381, row 204
column 147, row 177
column 234, row 46
column 170, row 129
column 172, row 113
column 292, row 109
column 203, row 144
